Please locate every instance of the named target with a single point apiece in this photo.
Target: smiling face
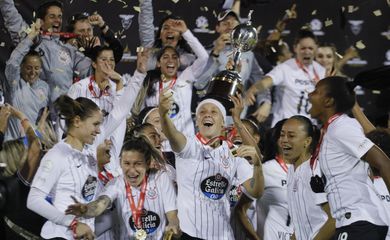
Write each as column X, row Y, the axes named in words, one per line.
column 52, row 19
column 169, row 63
column 154, row 119
column 134, row 167
column 31, row 68
column 83, row 28
column 168, row 36
column 209, row 120
column 293, row 140
column 305, row 50
column 152, row 135
column 325, row 56
column 227, row 24
column 89, row 128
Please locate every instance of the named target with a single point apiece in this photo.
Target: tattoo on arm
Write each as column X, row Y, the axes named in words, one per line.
column 98, row 206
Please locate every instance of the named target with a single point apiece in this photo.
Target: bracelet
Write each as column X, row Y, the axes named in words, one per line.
column 73, row 226
column 103, row 27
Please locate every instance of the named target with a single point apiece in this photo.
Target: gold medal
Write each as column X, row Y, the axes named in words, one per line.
column 140, row 234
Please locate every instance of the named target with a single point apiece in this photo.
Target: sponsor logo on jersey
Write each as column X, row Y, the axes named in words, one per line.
column 149, row 221
column 214, row 187
column 234, row 194
column 88, row 190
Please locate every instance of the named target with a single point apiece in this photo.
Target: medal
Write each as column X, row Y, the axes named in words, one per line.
column 140, row 234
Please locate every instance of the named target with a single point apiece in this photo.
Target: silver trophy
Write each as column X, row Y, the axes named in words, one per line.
column 228, row 82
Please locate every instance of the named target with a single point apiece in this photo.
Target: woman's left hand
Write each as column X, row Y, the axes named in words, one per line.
column 249, row 153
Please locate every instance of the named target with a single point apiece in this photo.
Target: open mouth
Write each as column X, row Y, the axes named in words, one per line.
column 171, row 66
column 170, row 37
column 208, row 123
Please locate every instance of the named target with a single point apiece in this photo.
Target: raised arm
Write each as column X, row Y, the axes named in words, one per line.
column 176, row 139
column 145, row 22
column 13, row 21
column 362, row 118
column 379, row 160
column 255, row 185
column 259, row 86
column 240, row 212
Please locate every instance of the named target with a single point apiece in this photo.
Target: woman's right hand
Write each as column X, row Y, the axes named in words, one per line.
column 166, row 101
column 78, row 209
column 83, row 231
column 142, row 59
column 5, row 113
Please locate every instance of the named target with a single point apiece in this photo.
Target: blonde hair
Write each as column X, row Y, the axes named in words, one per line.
column 14, row 154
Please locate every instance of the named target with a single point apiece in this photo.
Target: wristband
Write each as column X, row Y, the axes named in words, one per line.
column 103, row 27
column 73, row 226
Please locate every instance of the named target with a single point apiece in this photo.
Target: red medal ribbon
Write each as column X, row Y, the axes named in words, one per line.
column 314, row 157
column 105, row 176
column 92, row 90
column 60, row 34
column 281, row 162
column 171, row 84
column 305, row 70
column 204, row 141
column 137, row 212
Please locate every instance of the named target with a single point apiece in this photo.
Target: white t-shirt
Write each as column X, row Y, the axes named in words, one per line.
column 65, row 172
column 272, row 207
column 160, row 198
column 294, row 85
column 351, row 193
column 106, row 103
column 383, row 193
column 307, row 216
column 204, row 176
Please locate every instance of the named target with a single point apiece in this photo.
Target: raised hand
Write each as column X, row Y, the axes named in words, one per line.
column 142, row 59
column 96, row 20
column 221, row 42
column 166, row 101
column 178, row 25
column 262, row 112
column 250, row 96
column 238, row 107
column 249, row 153
column 34, row 29
column 78, row 209
column 103, row 153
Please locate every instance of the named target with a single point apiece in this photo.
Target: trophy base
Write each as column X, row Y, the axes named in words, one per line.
column 222, row 86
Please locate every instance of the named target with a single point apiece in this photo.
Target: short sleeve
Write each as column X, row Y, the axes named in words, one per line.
column 167, row 192
column 277, row 75
column 244, row 170
column 191, row 150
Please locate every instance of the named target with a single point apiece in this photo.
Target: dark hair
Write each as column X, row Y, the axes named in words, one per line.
column 341, row 91
column 271, row 50
column 137, row 130
column 256, row 128
column 68, row 108
column 164, row 49
column 271, row 141
column 310, row 129
column 96, row 51
column 42, row 9
column 142, row 145
column 305, row 33
column 32, row 53
column 75, row 18
column 181, row 43
column 142, row 115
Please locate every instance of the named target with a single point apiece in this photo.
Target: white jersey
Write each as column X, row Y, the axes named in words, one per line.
column 304, row 205
column 160, row 198
column 383, row 193
column 65, row 172
column 351, row 193
column 105, row 101
column 204, row 176
column 180, row 112
column 272, row 207
column 293, row 86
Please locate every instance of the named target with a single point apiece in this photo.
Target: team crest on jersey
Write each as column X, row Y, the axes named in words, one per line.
column 88, row 190
column 149, row 221
column 214, row 187
column 152, row 193
column 234, row 194
column 225, row 161
column 64, row 57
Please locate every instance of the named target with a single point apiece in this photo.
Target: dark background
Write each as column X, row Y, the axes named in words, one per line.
column 266, row 12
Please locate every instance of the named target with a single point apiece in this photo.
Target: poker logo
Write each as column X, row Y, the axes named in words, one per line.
column 152, row 193
column 88, row 190
column 126, row 20
column 202, row 24
column 149, row 221
column 63, row 57
column 356, row 26
column 214, row 187
column 316, row 26
column 234, row 194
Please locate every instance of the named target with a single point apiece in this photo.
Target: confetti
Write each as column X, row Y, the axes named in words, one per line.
column 95, row 1
column 168, row 12
column 140, row 49
column 328, row 22
column 360, row 45
column 123, row 36
column 342, row 8
column 175, row 1
column 81, row 49
column 376, row 92
column 34, row 14
column 258, row 29
column 2, row 44
column 137, row 8
column 204, row 9
column 339, row 55
column 377, row 13
column 314, row 12
column 352, row 9
column 215, row 13
column 125, row 6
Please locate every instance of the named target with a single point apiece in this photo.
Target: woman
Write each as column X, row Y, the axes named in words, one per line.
column 307, row 202
column 166, row 35
column 273, row 221
column 145, row 198
column 27, row 92
column 70, row 167
column 343, row 158
column 179, row 83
